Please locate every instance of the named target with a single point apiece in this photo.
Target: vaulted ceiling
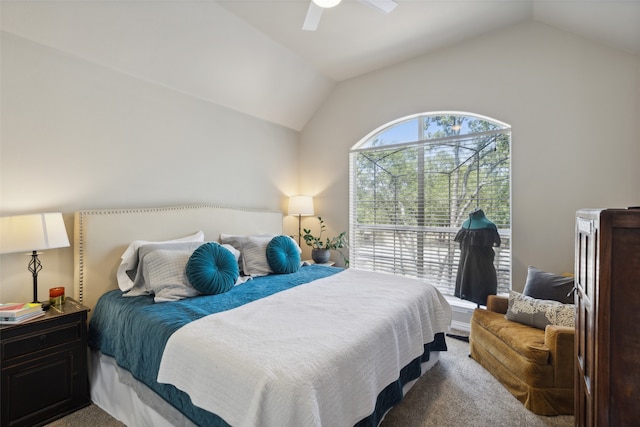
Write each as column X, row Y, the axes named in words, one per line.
column 253, row 56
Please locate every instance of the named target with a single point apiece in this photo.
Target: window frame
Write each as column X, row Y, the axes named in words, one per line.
column 503, row 253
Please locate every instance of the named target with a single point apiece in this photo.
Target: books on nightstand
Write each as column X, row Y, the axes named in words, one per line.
column 12, row 313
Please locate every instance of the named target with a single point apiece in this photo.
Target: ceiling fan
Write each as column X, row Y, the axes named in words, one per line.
column 316, row 7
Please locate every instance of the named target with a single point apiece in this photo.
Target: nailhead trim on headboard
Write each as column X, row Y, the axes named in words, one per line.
column 80, row 236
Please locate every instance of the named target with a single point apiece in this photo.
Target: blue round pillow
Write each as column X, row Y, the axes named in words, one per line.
column 283, row 255
column 212, row 269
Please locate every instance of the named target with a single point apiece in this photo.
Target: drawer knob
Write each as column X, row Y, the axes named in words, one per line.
column 43, row 339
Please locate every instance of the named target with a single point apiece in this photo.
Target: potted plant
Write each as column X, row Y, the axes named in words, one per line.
column 321, row 249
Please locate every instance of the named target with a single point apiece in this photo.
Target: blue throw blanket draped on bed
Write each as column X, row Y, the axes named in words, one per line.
column 138, row 339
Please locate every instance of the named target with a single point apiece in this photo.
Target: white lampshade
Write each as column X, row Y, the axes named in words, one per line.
column 301, row 205
column 26, row 233
column 327, row 3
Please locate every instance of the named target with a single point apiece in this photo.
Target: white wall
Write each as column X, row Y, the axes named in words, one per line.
column 80, row 136
column 76, row 135
column 573, row 107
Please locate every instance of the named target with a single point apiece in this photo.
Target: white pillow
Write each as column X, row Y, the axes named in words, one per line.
column 254, row 256
column 164, row 273
column 142, row 280
column 236, row 254
column 238, row 241
column 538, row 312
column 129, row 258
column 234, row 251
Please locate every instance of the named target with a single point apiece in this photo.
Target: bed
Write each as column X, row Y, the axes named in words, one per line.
column 307, row 346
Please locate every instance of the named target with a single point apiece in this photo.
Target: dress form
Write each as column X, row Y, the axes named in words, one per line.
column 476, row 278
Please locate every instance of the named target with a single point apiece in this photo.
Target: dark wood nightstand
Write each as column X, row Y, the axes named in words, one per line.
column 44, row 366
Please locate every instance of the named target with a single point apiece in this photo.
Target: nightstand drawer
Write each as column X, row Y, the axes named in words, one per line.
column 40, row 340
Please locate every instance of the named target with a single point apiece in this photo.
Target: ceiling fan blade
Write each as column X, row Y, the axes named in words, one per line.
column 385, row 6
column 314, row 13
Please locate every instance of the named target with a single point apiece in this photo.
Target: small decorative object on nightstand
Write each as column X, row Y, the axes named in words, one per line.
column 44, row 366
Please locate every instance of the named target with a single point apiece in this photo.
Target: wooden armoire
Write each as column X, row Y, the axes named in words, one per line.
column 607, row 342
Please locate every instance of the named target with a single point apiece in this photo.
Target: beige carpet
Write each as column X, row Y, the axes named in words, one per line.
column 457, row 392
column 460, row 392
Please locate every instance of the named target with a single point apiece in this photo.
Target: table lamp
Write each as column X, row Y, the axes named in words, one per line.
column 301, row 206
column 32, row 233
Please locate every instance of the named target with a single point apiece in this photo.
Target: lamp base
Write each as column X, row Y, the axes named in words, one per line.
column 34, row 267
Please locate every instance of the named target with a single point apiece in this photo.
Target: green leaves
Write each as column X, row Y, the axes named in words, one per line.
column 337, row 242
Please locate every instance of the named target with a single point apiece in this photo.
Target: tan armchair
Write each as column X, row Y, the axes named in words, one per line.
column 536, row 366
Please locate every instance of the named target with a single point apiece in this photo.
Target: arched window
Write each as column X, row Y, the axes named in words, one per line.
column 413, row 183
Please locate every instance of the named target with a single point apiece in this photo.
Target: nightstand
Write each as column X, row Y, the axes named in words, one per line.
column 44, row 366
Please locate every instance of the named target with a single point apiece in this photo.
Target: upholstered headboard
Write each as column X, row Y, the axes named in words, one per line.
column 101, row 236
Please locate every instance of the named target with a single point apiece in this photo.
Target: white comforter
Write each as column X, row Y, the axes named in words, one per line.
column 315, row 355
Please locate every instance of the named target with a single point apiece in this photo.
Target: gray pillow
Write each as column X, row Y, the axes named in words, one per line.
column 238, row 241
column 165, row 276
column 254, row 256
column 549, row 286
column 129, row 259
column 147, row 267
column 539, row 313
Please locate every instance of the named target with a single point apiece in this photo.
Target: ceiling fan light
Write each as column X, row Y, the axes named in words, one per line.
column 327, row 3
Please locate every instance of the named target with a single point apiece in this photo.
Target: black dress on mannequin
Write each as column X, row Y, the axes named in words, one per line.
column 476, row 278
